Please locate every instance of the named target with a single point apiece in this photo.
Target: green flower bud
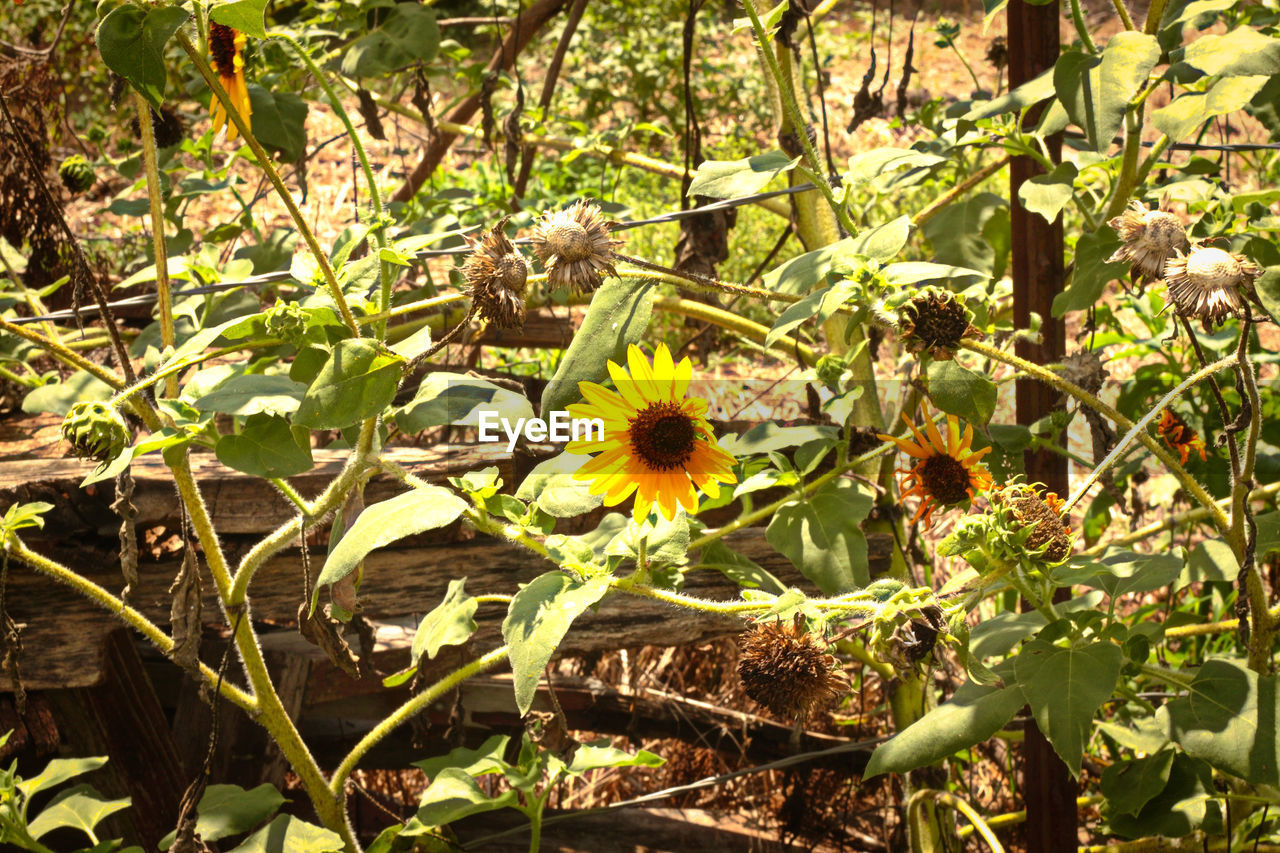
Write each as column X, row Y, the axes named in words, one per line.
column 287, row 321
column 76, row 173
column 95, row 431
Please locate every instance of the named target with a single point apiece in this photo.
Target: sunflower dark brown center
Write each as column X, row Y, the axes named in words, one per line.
column 1048, row 527
column 663, row 436
column 222, row 47
column 939, row 322
column 945, row 479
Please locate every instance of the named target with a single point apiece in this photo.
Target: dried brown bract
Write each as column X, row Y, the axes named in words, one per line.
column 1151, row 237
column 936, row 321
column 1209, row 284
column 786, row 669
column 575, row 246
column 498, row 275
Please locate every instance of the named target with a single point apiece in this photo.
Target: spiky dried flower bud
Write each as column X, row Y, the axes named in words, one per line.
column 498, row 275
column 787, row 670
column 1150, row 238
column 1050, row 537
column 937, row 321
column 575, row 247
column 95, row 431
column 998, row 52
column 1209, row 283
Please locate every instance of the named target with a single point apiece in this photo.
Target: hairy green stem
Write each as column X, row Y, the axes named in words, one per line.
column 916, row 804
column 1082, row 29
column 164, row 296
column 734, row 323
column 264, row 163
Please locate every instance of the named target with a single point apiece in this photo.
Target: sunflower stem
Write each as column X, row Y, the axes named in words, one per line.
column 164, row 298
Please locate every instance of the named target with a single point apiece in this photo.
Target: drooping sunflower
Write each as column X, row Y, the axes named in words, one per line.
column 946, row 471
column 1180, row 436
column 657, row 442
column 226, row 54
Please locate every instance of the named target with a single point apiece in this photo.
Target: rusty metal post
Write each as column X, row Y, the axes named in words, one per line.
column 1038, row 273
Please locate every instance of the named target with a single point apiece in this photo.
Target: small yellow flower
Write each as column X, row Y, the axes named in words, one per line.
column 946, row 471
column 657, row 442
column 226, row 52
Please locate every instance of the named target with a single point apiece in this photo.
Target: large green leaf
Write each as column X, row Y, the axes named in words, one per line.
column 1092, row 272
column 1228, row 718
column 230, row 810
column 487, row 758
column 244, row 15
column 132, row 39
column 385, row 522
column 539, row 617
column 59, row 397
column 819, row 304
column 869, row 165
column 408, row 34
column 1046, row 195
column 57, row 771
column 358, row 381
column 453, row 398
column 453, row 795
column 1096, row 90
column 1122, row 572
column 557, row 493
column 618, row 316
column 738, row 178
column 590, row 757
column 279, row 121
column 250, row 394
column 81, row 807
column 1064, row 687
column 267, row 447
column 883, row 242
column 1242, row 52
column 956, row 233
column 1028, row 94
column 450, row 623
column 919, row 273
column 288, row 834
column 1180, row 119
column 1182, row 807
column 959, row 391
column 972, row 715
column 738, row 568
column 803, row 273
column 1130, row 785
column 821, row 536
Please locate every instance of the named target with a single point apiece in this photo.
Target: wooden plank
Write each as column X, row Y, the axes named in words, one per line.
column 64, row 631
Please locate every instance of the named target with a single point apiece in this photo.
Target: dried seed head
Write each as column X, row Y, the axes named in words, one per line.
column 497, row 275
column 1209, row 283
column 1150, row 238
column 998, row 52
column 1049, row 537
column 935, row 320
column 95, row 431
column 787, row 670
column 166, row 124
column 575, row 247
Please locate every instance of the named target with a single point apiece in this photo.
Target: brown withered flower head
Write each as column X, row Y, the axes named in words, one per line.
column 575, row 247
column 786, row 669
column 1151, row 237
column 1209, row 283
column 497, row 274
column 998, row 53
column 935, row 320
column 1042, row 512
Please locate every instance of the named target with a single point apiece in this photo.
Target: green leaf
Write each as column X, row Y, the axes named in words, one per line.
column 385, row 522
column 450, row 623
column 819, row 304
column 57, row 771
column 357, row 381
column 883, row 242
column 81, row 807
column 288, row 834
column 738, row 178
column 1093, row 272
column 1180, row 119
column 247, row 16
column 59, row 397
column 743, row 571
column 972, row 715
column 1122, row 572
column 279, row 122
column 768, row 436
column 956, row 233
column 1229, row 719
column 1268, row 539
column 230, row 810
column 821, row 536
column 869, row 165
column 267, row 447
column 803, row 273
column 1096, row 91
column 487, row 758
column 409, row 34
column 539, row 617
column 1028, row 94
column 1048, row 194
column 1268, row 289
column 959, row 391
column 452, row 398
column 557, row 493
column 589, row 757
column 1130, row 785
column 254, row 393
column 453, row 795
column 919, row 273
column 1240, row 53
column 131, row 41
column 1176, row 811
column 618, row 316
column 1064, row 687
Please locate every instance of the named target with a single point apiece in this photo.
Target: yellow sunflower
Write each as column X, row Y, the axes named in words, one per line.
column 945, row 471
column 657, row 442
column 226, row 52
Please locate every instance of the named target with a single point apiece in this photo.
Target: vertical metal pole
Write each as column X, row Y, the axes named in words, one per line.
column 1038, row 272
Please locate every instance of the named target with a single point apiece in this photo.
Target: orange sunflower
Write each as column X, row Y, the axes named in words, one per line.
column 226, row 52
column 946, row 471
column 657, row 442
column 1179, row 436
